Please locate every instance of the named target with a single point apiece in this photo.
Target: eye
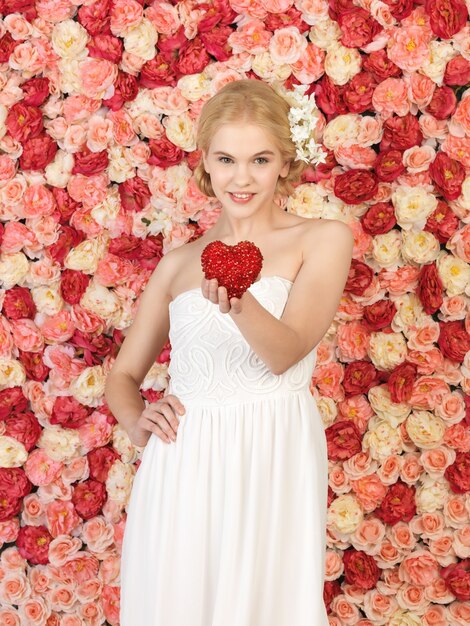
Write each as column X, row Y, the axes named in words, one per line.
column 261, row 160
column 224, row 159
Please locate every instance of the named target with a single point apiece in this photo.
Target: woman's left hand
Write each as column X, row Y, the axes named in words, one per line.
column 218, row 295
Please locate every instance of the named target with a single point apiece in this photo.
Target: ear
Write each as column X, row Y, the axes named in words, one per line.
column 285, row 169
column 204, row 161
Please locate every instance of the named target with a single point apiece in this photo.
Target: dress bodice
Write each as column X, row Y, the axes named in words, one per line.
column 212, row 363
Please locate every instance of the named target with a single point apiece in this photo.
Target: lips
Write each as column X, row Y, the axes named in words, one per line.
column 241, row 197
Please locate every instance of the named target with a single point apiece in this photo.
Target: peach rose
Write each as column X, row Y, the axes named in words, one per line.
column 74, row 138
column 62, row 548
column 89, row 590
column 457, row 148
column 390, row 96
column 355, row 156
column 428, row 524
column 461, row 543
column 61, row 517
column 96, row 431
column 7, row 168
column 359, row 464
column 333, row 565
column 442, row 548
column 412, row 597
column 436, row 591
column 33, row 512
column 436, row 460
column 164, row 17
column 40, row 581
column 459, row 613
column 451, row 408
column 9, row 616
column 378, row 606
column 418, row 158
column 96, row 75
column 310, row 65
column 411, row 468
column 401, row 536
column 62, row 598
column 287, row 45
column 40, row 468
column 34, row 611
column 432, row 127
column 369, row 490
column 421, row 89
column 76, row 469
column 408, row 48
column 125, row 14
column 387, row 555
column 346, row 611
column 434, row 615
column 250, row 37
column 389, row 471
column 419, row 568
column 368, row 536
column 14, row 588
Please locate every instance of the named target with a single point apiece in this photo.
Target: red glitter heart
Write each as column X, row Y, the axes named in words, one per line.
column 235, row 267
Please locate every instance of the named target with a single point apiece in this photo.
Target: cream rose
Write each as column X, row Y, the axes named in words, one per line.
column 48, row 298
column 381, row 401
column 306, row 201
column 342, row 63
column 454, row 273
column 264, row 67
column 409, row 313
column 425, row 429
column 420, row 247
column 61, row 444
column 86, row 255
column 13, row 269
column 345, row 514
column 101, row 300
column 88, row 387
column 141, row 40
column 12, row 452
column 119, row 168
column 324, row 32
column 342, row 131
column 156, row 378
column 69, row 39
column 12, row 373
column 431, row 495
column 119, row 481
column 69, row 75
column 58, row 172
column 386, row 248
column 193, row 87
column 413, row 205
column 180, row 130
column 387, row 350
column 106, row 212
column 382, row 439
column 405, row 618
column 122, row 444
column 440, row 53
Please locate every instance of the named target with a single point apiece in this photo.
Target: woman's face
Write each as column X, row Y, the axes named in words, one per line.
column 244, row 164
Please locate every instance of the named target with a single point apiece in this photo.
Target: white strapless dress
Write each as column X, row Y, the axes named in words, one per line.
column 227, row 525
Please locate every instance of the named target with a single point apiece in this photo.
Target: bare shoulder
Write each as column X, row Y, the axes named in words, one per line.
column 326, row 234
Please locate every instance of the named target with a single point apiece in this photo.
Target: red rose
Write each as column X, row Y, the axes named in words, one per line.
column 65, row 204
column 379, row 219
column 220, row 13
column 7, row 45
column 447, row 175
column 359, row 377
column 401, row 133
column 68, row 238
column 100, row 461
column 88, row 498
column 457, row 71
column 398, row 504
column 430, row 289
column 35, row 90
column 380, row 65
column 12, row 398
column 358, row 27
column 400, row 8
column 442, row 222
column 389, row 165
column 132, row 247
column 458, row 474
column 321, row 171
column 9, row 507
column 457, row 579
column 359, row 278
column 193, row 158
column 356, row 186
column 34, row 366
column 343, row 440
column 164, row 153
column 126, row 89
column 25, row 7
column 134, row 193
column 24, row 426
column 38, row 152
column 360, row 569
column 291, row 17
column 400, row 382
column 193, row 57
column 169, row 45
column 157, row 73
column 446, row 17
column 329, row 97
column 24, row 121
column 338, row 6
column 106, row 47
column 89, row 163
column 94, row 346
column 454, row 341
column 443, row 103
column 358, row 92
column 331, row 589
column 33, row 544
column 73, row 284
column 18, row 304
column 379, row 315
column 96, row 17
column 68, row 412
column 215, row 42
column 14, row 483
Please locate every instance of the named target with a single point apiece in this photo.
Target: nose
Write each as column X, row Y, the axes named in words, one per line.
column 242, row 175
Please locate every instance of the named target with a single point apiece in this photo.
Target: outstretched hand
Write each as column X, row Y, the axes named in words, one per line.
column 218, row 295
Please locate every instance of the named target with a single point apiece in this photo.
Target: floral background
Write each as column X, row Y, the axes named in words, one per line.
column 98, row 105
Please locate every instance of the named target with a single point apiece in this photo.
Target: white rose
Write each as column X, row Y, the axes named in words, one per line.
column 440, row 53
column 13, row 269
column 106, row 212
column 119, row 481
column 12, row 452
column 193, row 87
column 454, row 273
column 61, row 444
column 342, row 63
column 156, row 378
column 409, row 313
column 425, row 429
column 69, row 39
column 180, row 130
column 88, row 387
column 431, row 495
column 306, row 201
column 264, row 67
column 168, row 186
column 100, row 300
column 128, row 453
column 386, row 248
column 141, row 40
column 387, row 350
column 413, row 206
column 420, row 247
column 342, row 131
column 404, row 618
column 324, row 32
column 345, row 514
column 86, row 255
column 48, row 299
column 69, row 76
column 382, row 439
column 395, row 413
column 12, row 373
column 328, row 410
column 119, row 169
column 59, row 171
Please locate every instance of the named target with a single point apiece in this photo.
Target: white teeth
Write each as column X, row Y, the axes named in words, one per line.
column 241, row 195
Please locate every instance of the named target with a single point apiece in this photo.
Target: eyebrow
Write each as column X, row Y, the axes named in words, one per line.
column 257, row 154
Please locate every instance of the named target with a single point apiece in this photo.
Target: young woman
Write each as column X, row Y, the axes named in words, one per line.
column 226, row 523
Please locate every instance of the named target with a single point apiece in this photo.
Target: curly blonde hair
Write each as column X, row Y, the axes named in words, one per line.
column 251, row 101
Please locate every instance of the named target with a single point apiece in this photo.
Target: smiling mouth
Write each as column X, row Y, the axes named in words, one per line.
column 242, row 196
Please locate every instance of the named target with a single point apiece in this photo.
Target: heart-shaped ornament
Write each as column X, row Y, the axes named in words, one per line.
column 235, row 267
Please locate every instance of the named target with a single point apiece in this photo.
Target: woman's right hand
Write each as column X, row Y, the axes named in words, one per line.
column 160, row 418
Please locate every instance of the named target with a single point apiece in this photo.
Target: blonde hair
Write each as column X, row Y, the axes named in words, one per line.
column 251, row 101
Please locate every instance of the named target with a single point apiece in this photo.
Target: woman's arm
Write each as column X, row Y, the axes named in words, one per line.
column 143, row 342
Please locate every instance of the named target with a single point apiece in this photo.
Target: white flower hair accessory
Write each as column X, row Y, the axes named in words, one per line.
column 302, row 120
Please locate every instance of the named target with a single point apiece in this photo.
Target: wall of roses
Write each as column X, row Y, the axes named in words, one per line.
column 98, row 105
